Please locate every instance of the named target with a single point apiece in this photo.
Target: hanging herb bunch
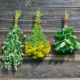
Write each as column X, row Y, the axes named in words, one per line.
column 37, row 45
column 67, row 40
column 12, row 46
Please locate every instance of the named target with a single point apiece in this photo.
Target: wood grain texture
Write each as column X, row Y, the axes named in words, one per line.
column 55, row 3
column 53, row 65
column 43, row 69
column 39, row 3
column 48, row 13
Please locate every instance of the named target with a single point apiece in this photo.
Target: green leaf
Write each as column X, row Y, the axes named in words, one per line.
column 14, row 30
column 57, row 48
column 74, row 37
column 9, row 67
column 24, row 36
column 56, row 42
column 20, row 38
column 57, row 33
column 11, row 54
column 6, row 66
column 22, row 54
column 22, row 33
column 63, row 50
column 5, row 42
column 78, row 45
column 62, row 44
column 16, row 67
column 71, row 47
column 3, row 47
column 68, row 41
column 66, row 15
column 71, row 50
column 11, row 28
column 22, row 45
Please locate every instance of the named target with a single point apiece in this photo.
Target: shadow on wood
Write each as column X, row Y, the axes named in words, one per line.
column 60, row 57
column 4, row 71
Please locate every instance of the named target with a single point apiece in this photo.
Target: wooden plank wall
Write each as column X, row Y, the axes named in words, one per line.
column 52, row 66
column 51, row 9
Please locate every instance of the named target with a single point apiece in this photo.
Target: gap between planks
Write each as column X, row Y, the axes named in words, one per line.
column 31, row 30
column 75, row 57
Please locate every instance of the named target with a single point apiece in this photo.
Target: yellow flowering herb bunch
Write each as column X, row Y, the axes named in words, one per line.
column 37, row 45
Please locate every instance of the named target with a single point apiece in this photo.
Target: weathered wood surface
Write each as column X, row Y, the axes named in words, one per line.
column 55, row 3
column 52, row 66
column 43, row 69
column 48, row 13
column 51, row 9
column 39, row 3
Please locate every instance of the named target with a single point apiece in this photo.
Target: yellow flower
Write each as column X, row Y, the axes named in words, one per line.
column 41, row 43
column 48, row 50
column 49, row 47
column 44, row 50
column 28, row 54
column 35, row 52
column 41, row 46
column 47, row 42
column 28, row 50
column 26, row 43
column 34, row 45
column 30, row 46
column 26, row 47
column 34, row 49
column 34, row 57
column 40, row 54
column 46, row 54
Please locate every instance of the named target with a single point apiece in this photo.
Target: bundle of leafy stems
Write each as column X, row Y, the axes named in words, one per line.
column 37, row 45
column 12, row 46
column 67, row 42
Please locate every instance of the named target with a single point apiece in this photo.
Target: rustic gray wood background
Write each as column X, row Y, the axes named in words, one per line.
column 51, row 9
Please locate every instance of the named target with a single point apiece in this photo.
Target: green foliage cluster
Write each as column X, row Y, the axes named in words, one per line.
column 12, row 46
column 37, row 35
column 67, row 40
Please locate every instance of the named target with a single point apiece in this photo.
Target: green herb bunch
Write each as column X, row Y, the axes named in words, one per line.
column 67, row 40
column 37, row 35
column 12, row 46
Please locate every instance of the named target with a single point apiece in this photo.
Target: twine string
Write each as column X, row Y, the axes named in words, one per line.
column 41, row 20
column 66, row 21
column 16, row 21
